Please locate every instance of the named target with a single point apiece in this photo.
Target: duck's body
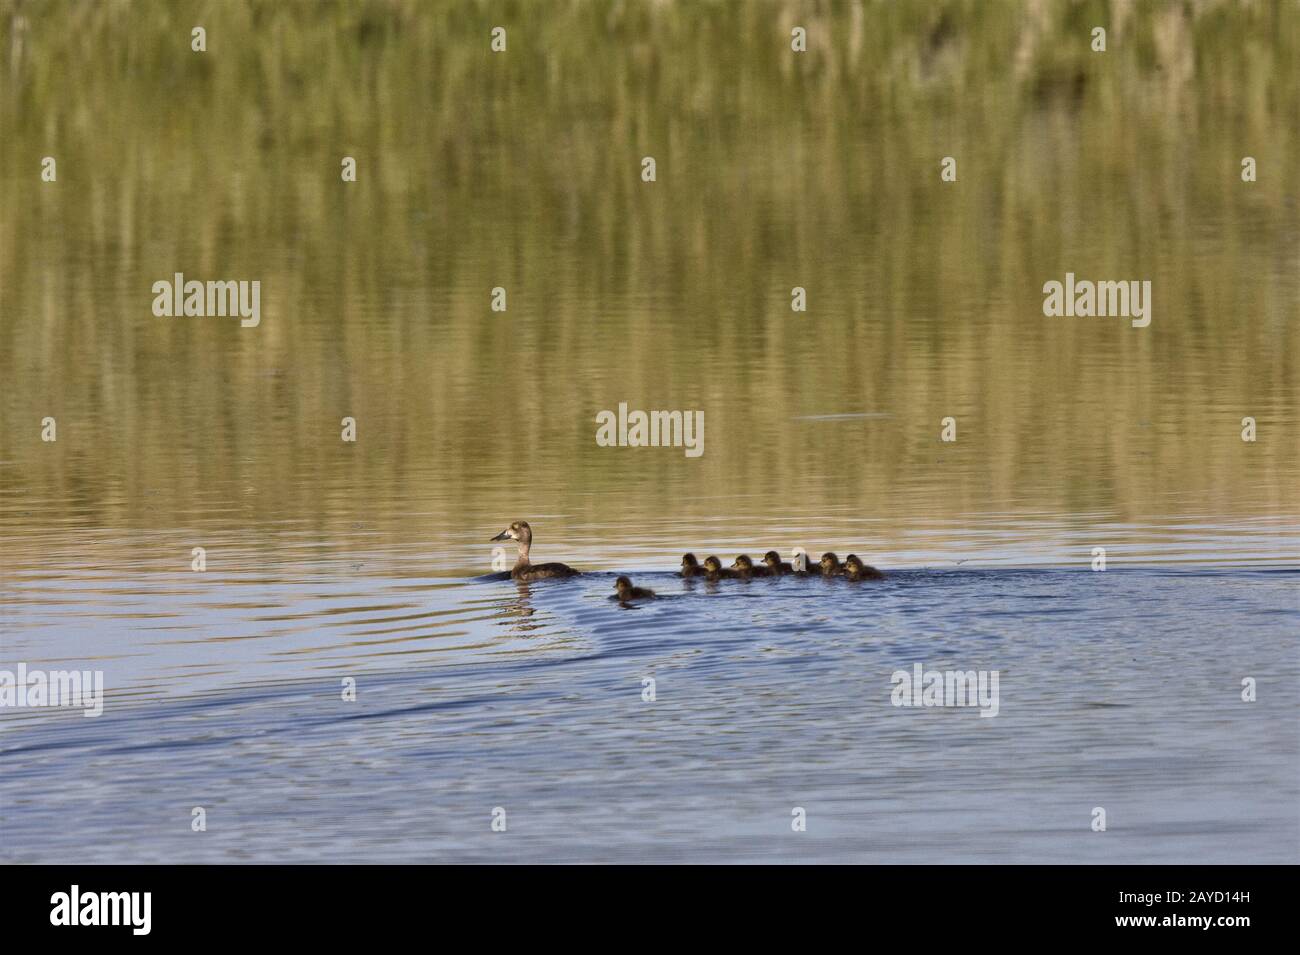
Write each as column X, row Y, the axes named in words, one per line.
column 744, row 567
column 808, row 568
column 773, row 562
column 627, row 592
column 691, row 567
column 831, row 566
column 855, row 569
column 524, row 569
column 714, row 570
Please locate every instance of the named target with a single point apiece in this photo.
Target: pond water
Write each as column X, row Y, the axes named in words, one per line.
column 326, row 560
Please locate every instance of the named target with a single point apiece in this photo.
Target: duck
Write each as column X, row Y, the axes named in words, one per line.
column 691, row 567
column 744, row 567
column 854, row 569
column 714, row 570
column 830, row 565
column 627, row 592
column 773, row 562
column 524, row 569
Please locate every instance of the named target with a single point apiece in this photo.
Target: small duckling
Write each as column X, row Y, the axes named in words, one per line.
column 773, row 562
column 830, row 565
column 522, row 535
column 714, row 570
column 854, row 569
column 744, row 567
column 691, row 567
column 627, row 592
column 805, row 566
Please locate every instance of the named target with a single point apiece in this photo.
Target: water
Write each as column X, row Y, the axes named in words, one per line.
column 328, row 560
column 1118, row 689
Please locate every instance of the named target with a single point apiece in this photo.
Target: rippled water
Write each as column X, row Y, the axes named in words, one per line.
column 1118, row 689
column 370, row 560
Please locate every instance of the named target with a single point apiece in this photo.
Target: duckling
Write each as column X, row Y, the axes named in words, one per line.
column 773, row 562
column 691, row 567
column 522, row 534
column 805, row 566
column 744, row 567
column 854, row 569
column 830, row 565
column 714, row 570
column 627, row 592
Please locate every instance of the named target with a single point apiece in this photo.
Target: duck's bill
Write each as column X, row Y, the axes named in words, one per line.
column 502, row 536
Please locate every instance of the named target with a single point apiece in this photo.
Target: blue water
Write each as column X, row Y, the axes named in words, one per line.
column 1120, row 690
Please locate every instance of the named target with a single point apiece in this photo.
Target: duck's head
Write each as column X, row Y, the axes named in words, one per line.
column 829, row 561
column 853, row 562
column 689, row 562
column 743, row 563
column 712, row 564
column 518, row 531
column 772, row 559
column 623, row 585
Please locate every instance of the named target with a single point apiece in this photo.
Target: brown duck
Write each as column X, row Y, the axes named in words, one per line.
column 524, row 569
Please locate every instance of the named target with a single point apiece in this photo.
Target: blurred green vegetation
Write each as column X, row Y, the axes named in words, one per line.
column 522, row 169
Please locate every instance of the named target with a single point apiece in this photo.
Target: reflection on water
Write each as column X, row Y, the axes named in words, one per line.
column 1119, row 689
column 522, row 171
